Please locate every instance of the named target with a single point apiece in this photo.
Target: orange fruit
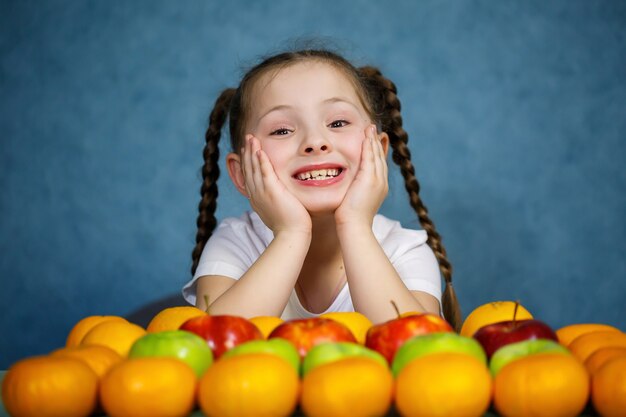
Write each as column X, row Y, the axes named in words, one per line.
column 357, row 322
column 602, row 355
column 608, row 388
column 444, row 384
column 542, row 385
column 117, row 335
column 586, row 344
column 492, row 313
column 149, row 387
column 351, row 387
column 171, row 318
column 99, row 358
column 250, row 385
column 49, row 386
column 84, row 325
column 266, row 323
column 567, row 334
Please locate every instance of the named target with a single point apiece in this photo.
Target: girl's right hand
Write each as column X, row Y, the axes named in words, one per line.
column 270, row 199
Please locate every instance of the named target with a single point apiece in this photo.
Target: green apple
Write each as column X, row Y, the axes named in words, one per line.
column 332, row 351
column 513, row 351
column 186, row 346
column 279, row 347
column 436, row 343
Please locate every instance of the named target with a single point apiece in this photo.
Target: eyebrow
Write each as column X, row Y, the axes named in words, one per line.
column 276, row 108
column 334, row 100
column 331, row 100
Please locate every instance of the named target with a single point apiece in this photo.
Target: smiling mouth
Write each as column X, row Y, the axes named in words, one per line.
column 319, row 174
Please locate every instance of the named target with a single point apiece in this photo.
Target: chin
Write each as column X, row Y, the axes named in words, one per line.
column 321, row 203
column 318, row 212
column 322, row 208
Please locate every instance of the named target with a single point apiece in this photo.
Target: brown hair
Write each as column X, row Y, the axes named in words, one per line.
column 380, row 100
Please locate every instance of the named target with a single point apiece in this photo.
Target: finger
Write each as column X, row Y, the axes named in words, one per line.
column 368, row 156
column 247, row 166
column 266, row 167
column 379, row 156
column 383, row 160
column 255, row 148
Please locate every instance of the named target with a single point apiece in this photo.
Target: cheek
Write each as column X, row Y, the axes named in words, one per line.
column 277, row 153
column 352, row 148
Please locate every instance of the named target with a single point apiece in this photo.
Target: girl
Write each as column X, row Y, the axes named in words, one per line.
column 309, row 135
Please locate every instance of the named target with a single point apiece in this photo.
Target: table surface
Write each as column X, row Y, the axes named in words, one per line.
column 198, row 413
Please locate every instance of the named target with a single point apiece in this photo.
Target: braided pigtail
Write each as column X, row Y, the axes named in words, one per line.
column 387, row 108
column 210, row 173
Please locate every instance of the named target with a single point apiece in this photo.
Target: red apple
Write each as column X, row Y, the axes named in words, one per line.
column 222, row 332
column 306, row 333
column 386, row 338
column 493, row 336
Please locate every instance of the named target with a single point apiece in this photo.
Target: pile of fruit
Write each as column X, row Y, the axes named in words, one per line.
column 336, row 365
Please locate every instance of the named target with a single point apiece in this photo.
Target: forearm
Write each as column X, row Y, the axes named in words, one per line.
column 265, row 288
column 374, row 282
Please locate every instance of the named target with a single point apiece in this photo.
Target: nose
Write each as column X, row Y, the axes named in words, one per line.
column 316, row 143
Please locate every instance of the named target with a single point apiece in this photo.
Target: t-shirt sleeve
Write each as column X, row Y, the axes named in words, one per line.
column 233, row 247
column 413, row 259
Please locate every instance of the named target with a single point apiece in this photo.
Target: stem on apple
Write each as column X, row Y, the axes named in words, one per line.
column 206, row 301
column 515, row 312
column 395, row 307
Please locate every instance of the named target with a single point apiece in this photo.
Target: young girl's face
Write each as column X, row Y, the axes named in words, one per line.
column 311, row 123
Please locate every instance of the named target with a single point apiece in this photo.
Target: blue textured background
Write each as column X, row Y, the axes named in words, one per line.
column 516, row 113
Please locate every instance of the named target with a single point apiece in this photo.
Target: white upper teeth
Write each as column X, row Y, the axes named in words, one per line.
column 319, row 174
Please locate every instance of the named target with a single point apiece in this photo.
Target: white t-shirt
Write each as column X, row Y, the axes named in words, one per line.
column 237, row 243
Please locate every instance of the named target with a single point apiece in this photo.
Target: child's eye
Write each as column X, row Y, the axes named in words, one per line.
column 280, row 132
column 338, row 123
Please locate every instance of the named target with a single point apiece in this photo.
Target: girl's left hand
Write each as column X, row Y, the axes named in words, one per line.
column 370, row 186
